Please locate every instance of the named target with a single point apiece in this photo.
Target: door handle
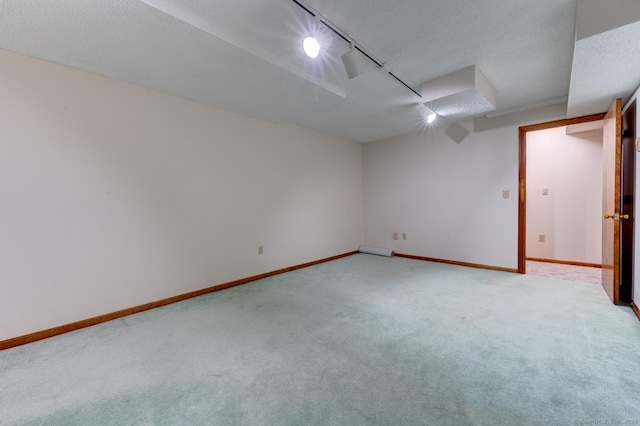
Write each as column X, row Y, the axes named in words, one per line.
column 616, row 216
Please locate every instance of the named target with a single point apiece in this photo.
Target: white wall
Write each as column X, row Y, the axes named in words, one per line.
column 114, row 195
column 570, row 167
column 447, row 196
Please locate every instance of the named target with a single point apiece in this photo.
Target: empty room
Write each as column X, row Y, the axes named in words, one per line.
column 294, row 212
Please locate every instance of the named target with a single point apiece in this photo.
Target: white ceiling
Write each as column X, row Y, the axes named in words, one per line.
column 246, row 55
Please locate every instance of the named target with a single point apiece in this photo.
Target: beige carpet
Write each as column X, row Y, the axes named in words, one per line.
column 565, row 272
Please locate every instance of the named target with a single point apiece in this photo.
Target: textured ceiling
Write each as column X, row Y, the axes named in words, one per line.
column 605, row 66
column 246, row 55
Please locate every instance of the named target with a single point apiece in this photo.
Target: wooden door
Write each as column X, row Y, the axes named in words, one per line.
column 611, row 160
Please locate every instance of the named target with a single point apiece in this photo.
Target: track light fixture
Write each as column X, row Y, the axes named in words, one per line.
column 311, row 47
column 352, row 62
column 310, row 44
column 427, row 113
column 350, row 59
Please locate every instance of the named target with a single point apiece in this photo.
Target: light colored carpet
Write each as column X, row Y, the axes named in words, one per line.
column 363, row 340
column 565, row 272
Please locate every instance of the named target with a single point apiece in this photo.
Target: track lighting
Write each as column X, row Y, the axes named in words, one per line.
column 427, row 114
column 352, row 62
column 351, row 59
column 463, row 93
column 386, row 68
column 311, row 47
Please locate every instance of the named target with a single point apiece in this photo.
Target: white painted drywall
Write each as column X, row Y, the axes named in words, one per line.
column 570, row 167
column 447, row 196
column 114, row 195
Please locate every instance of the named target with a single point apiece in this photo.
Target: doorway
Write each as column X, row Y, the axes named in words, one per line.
column 522, row 205
column 625, row 182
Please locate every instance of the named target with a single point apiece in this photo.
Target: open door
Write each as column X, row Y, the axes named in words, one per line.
column 611, row 161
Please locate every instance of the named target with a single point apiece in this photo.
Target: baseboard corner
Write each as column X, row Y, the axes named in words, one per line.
column 635, row 309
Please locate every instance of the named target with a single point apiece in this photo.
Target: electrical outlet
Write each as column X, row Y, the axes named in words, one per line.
column 545, row 191
column 395, row 235
column 260, row 249
column 404, row 236
column 542, row 238
column 505, row 193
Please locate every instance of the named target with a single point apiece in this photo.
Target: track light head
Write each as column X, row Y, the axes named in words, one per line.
column 352, row 62
column 427, row 114
column 311, row 47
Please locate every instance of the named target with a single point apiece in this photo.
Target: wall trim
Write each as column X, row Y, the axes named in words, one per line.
column 457, row 263
column 44, row 334
column 566, row 262
column 635, row 309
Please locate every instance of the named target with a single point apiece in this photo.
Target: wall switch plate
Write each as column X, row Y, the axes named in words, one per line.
column 395, row 235
column 542, row 238
column 404, row 236
column 545, row 191
column 505, row 193
column 260, row 249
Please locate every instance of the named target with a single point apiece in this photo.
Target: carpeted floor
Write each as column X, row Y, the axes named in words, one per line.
column 363, row 340
column 565, row 272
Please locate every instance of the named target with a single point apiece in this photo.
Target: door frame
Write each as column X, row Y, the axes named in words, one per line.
column 627, row 206
column 522, row 176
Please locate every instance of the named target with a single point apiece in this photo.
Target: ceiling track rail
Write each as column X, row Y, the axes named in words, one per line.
column 346, row 37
